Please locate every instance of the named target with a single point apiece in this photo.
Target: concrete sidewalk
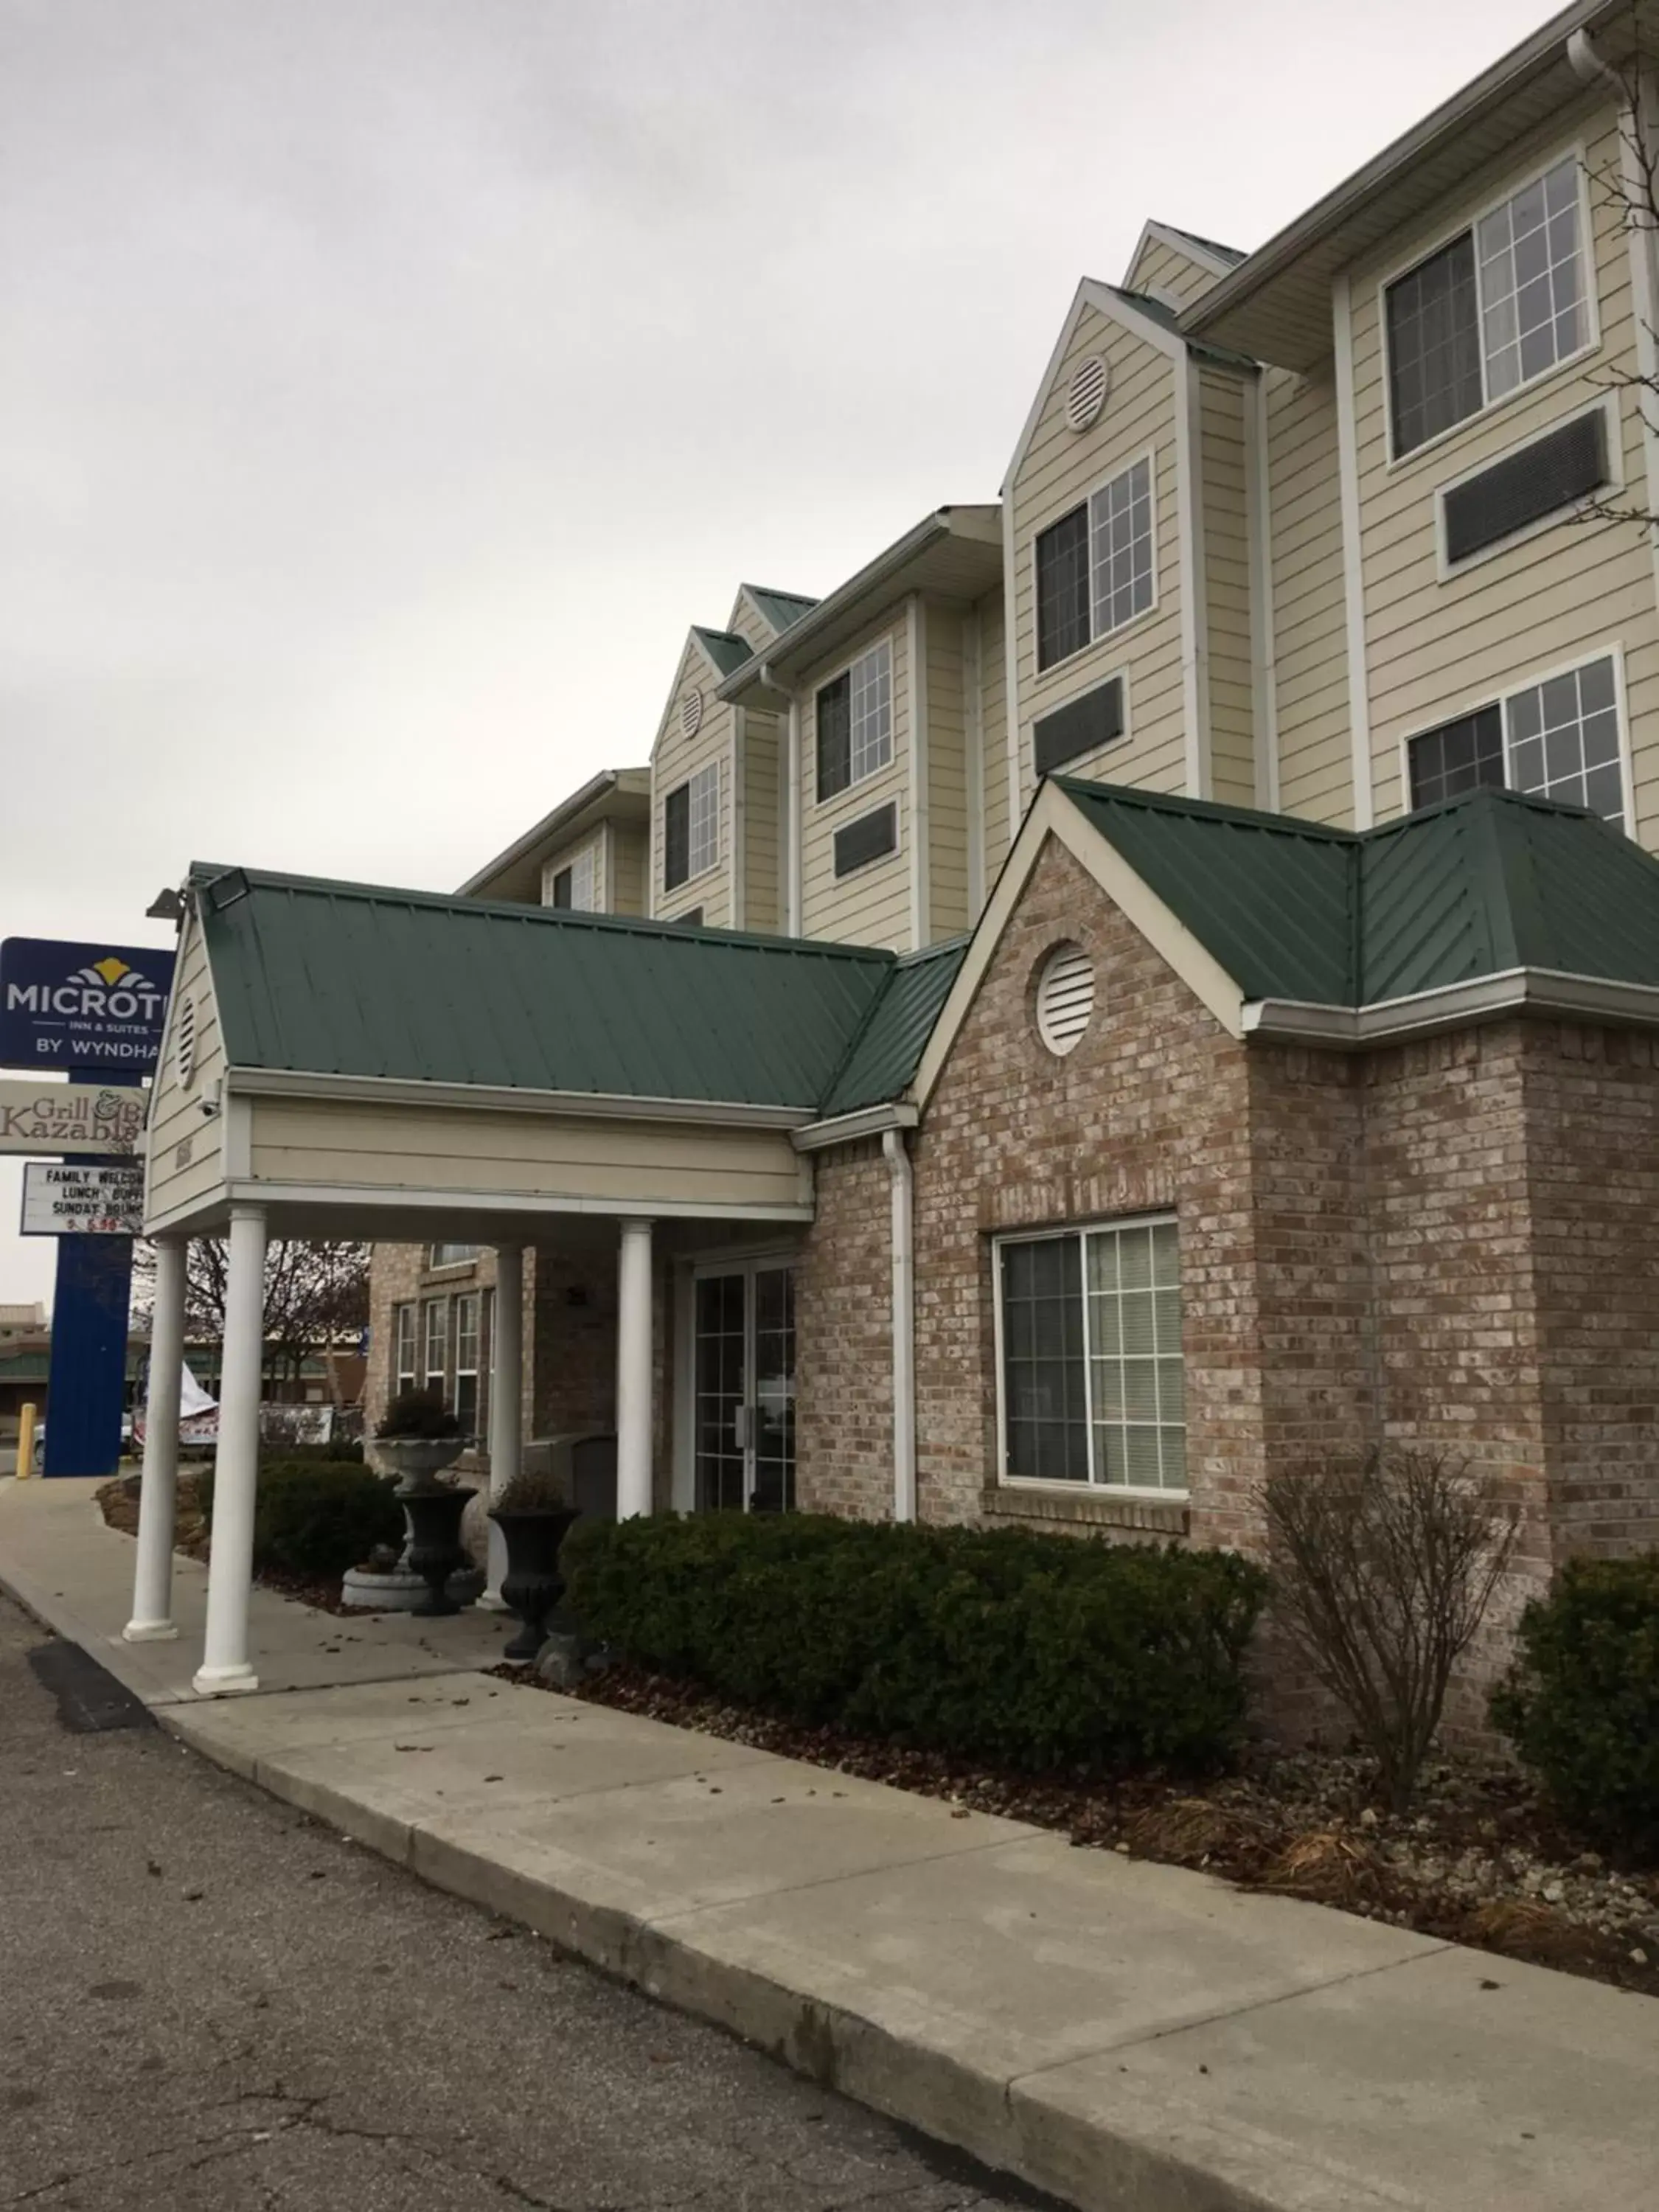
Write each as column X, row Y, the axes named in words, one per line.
column 1132, row 2037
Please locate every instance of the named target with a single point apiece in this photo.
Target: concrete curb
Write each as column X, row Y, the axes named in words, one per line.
column 1157, row 2159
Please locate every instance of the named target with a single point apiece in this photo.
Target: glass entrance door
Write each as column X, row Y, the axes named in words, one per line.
column 744, row 1357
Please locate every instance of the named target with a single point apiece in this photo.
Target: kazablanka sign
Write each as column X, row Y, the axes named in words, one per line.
column 64, row 1005
column 69, row 1117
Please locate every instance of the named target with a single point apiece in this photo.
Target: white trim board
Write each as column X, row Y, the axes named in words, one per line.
column 1052, row 814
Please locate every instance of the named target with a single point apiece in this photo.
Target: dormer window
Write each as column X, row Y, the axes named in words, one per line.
column 854, row 721
column 691, row 827
column 1489, row 311
column 1095, row 566
column 576, row 886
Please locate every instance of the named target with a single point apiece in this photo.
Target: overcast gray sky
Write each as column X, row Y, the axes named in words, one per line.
column 386, row 384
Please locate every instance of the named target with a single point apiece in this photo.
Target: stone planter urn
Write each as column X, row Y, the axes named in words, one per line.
column 434, row 1514
column 533, row 1584
column 417, row 1461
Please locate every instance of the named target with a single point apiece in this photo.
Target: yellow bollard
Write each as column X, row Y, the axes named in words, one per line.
column 25, row 1443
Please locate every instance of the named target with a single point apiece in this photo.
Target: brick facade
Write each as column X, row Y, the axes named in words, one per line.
column 1453, row 1244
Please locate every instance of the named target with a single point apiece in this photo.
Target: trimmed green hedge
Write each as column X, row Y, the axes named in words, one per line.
column 1581, row 1703
column 1037, row 1652
column 316, row 1516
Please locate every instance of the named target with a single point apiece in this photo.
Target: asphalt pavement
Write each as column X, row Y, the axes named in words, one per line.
column 208, row 2000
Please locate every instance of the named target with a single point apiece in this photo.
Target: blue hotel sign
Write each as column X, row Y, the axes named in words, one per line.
column 94, row 1005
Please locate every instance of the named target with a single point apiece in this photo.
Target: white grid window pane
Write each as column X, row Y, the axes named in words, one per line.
column 1137, row 1383
column 872, row 710
column 585, row 881
column 1121, row 548
column 1563, row 739
column 705, row 818
column 1532, row 306
column 467, row 1361
column 404, row 1341
column 437, row 1345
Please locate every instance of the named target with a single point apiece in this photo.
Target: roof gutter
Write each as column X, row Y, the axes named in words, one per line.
column 1451, row 119
column 1454, row 1005
column 567, row 811
column 841, row 602
column 587, row 1105
column 848, row 1129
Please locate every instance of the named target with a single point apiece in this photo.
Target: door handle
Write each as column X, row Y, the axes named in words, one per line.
column 741, row 1427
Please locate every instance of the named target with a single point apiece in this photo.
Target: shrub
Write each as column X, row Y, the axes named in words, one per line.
column 419, row 1413
column 316, row 1516
column 1382, row 1572
column 1581, row 1703
column 1037, row 1652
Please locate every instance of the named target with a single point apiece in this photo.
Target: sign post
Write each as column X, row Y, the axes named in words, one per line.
column 86, row 1010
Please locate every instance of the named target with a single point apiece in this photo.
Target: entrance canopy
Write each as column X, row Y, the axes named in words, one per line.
column 402, row 1066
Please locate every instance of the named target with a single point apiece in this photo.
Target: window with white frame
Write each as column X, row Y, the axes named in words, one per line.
column 403, row 1347
column 691, row 827
column 854, row 717
column 1490, row 310
column 465, row 1393
column 452, row 1256
column 1556, row 739
column 576, row 885
column 1092, row 1383
column 1095, row 566
column 435, row 1326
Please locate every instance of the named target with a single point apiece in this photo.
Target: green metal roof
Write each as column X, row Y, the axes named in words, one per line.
column 725, row 648
column 886, row 1053
column 1230, row 253
column 1159, row 313
column 1490, row 881
column 780, row 608
column 349, row 979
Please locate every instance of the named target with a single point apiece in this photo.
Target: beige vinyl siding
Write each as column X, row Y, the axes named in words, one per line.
column 184, row 1146
column 430, row 1150
column 993, row 731
column 948, row 905
column 566, row 855
column 674, row 758
column 1168, row 273
column 747, row 622
column 1309, row 611
column 761, row 909
column 873, row 905
column 629, row 860
column 1059, row 469
column 1435, row 648
column 1223, row 422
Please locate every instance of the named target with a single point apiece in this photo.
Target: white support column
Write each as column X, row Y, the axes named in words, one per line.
column 224, row 1666
column 152, row 1580
column 506, row 1406
column 633, row 1371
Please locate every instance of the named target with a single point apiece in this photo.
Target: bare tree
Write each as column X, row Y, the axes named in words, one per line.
column 1382, row 1572
column 1627, row 184
column 315, row 1295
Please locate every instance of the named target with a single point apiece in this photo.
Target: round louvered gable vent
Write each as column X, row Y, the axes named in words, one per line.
column 184, row 1043
column 1065, row 998
column 1086, row 394
column 691, row 713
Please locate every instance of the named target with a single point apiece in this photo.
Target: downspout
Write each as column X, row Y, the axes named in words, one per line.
column 904, row 1324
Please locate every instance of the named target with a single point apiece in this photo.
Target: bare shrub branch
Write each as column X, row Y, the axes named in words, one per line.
column 1382, row 1572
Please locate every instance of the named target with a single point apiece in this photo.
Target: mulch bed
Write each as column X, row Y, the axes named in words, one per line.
column 1478, row 1861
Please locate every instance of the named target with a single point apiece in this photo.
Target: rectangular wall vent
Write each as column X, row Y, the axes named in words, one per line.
column 868, row 839
column 1082, row 726
column 1553, row 473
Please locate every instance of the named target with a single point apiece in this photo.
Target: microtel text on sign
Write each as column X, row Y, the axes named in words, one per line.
column 69, row 1117
column 64, row 1003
